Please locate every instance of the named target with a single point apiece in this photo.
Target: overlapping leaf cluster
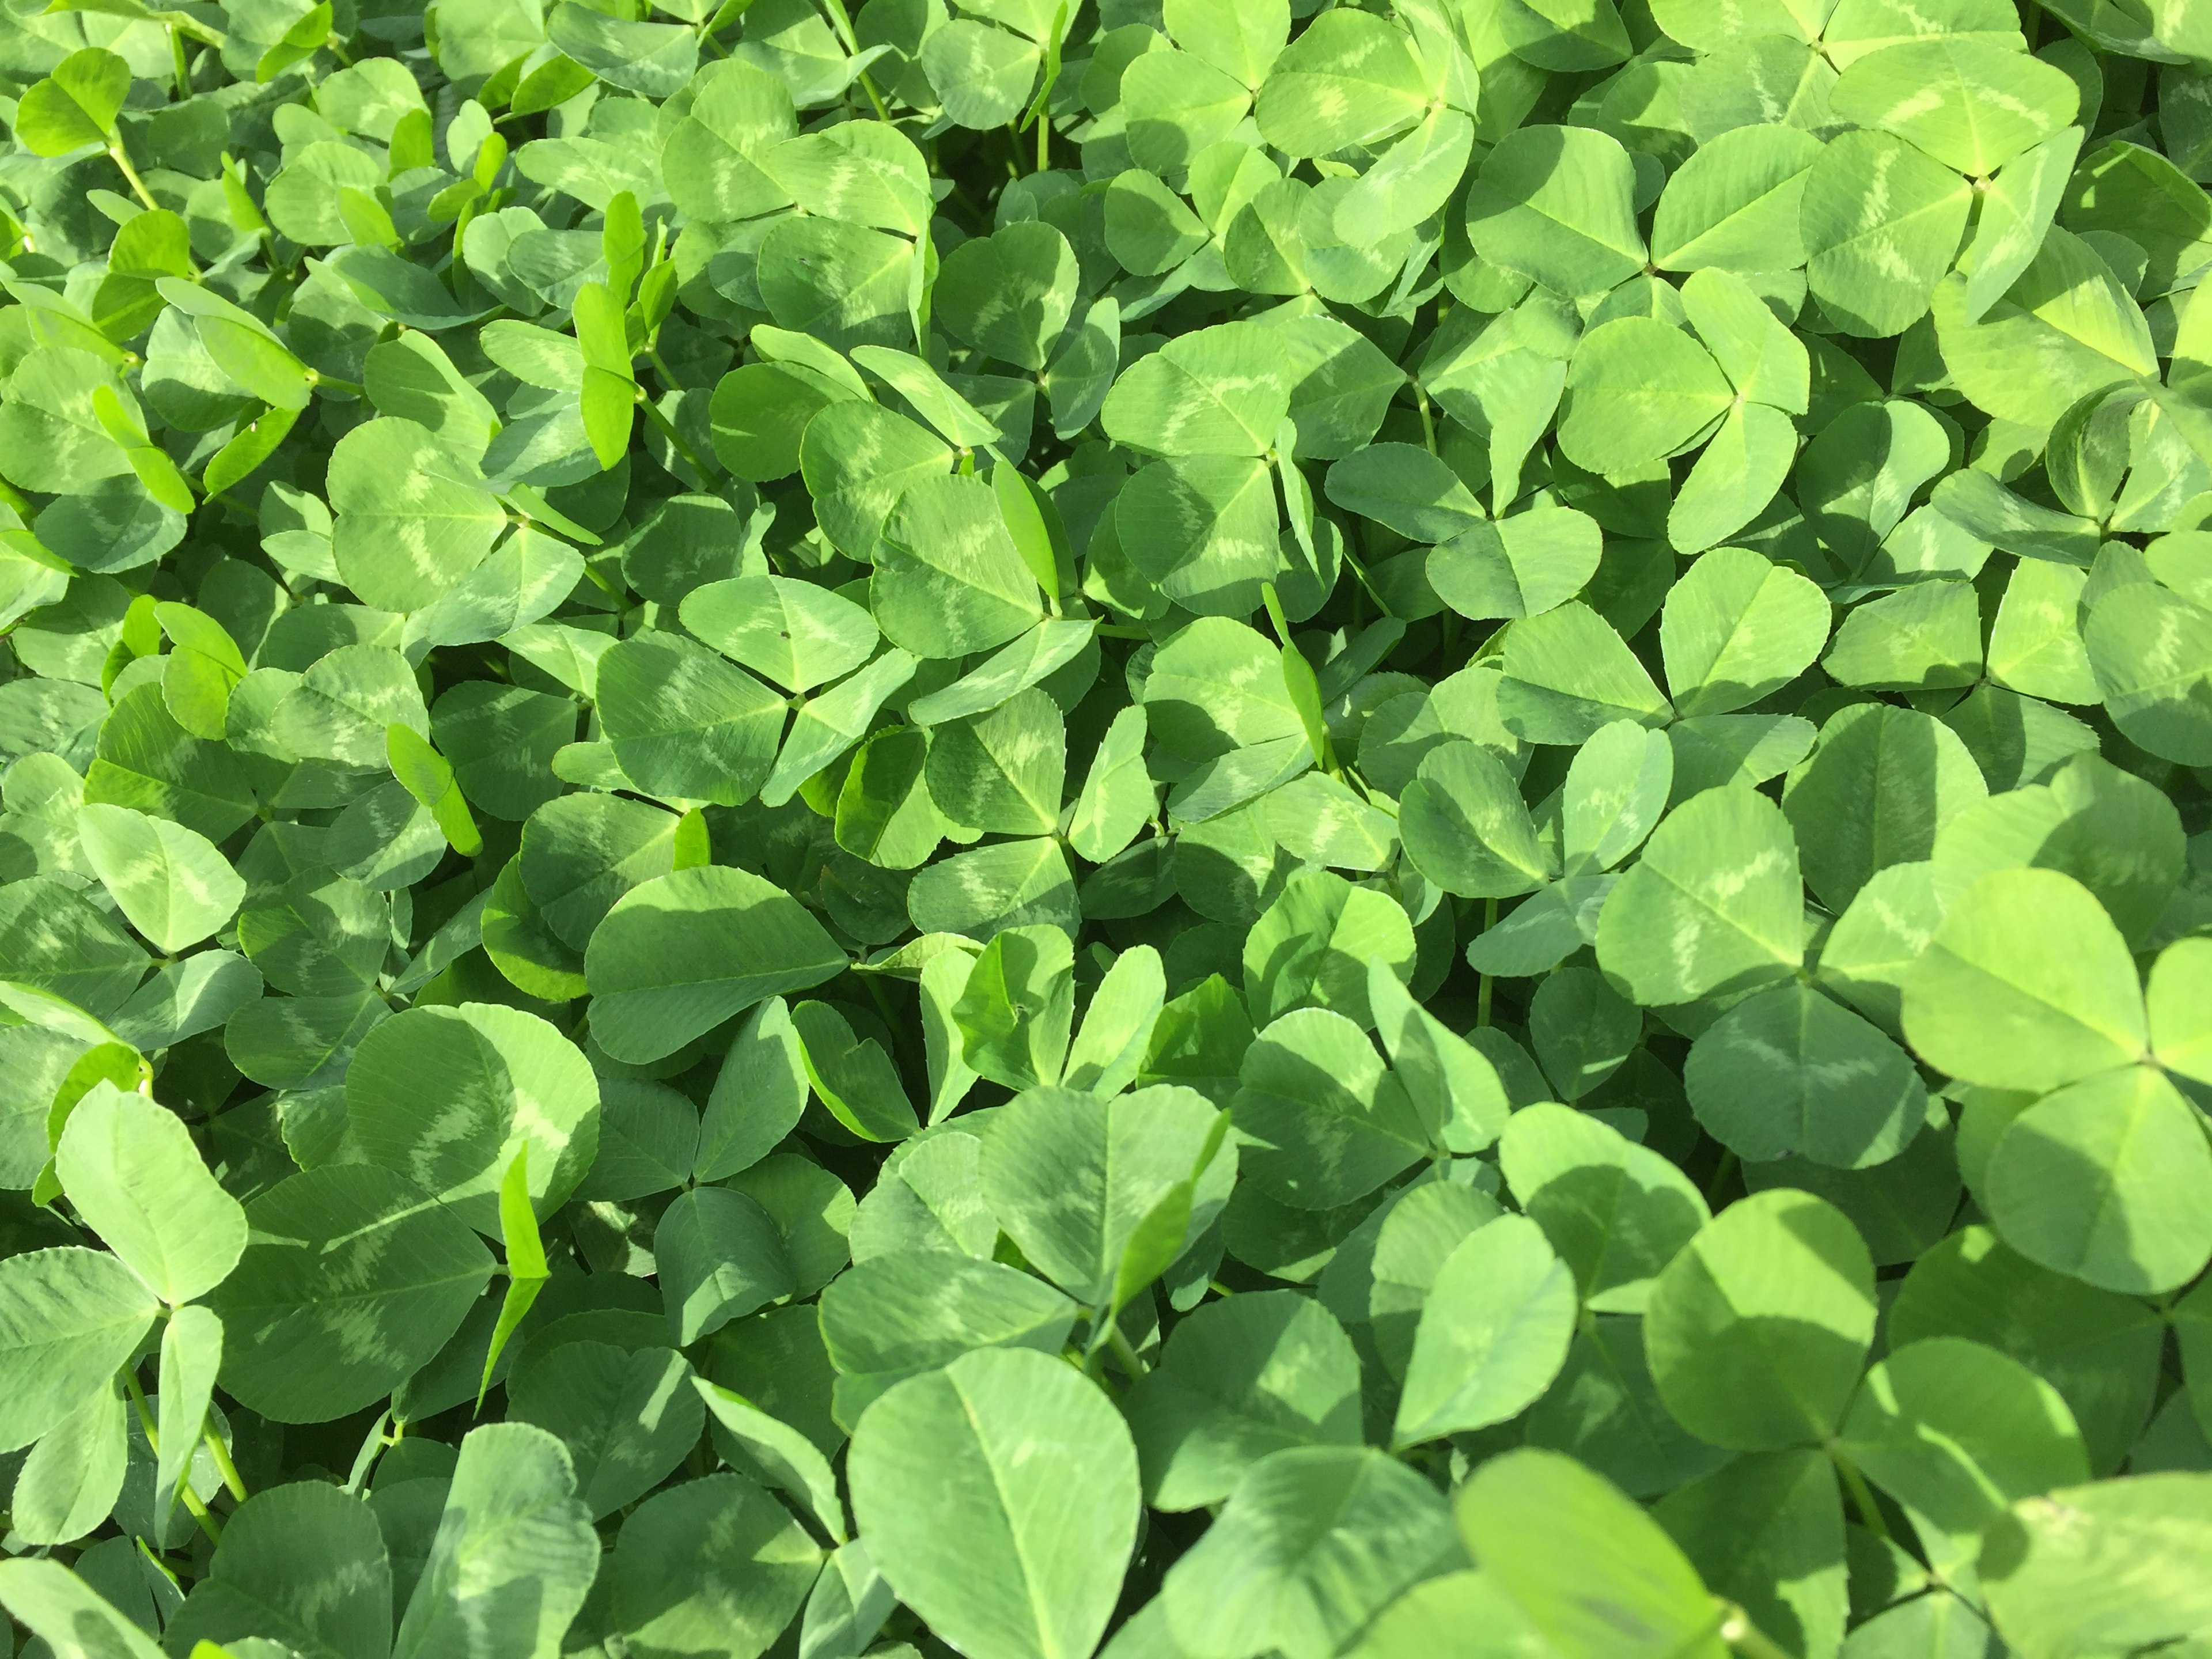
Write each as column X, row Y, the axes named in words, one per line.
column 1228, row 828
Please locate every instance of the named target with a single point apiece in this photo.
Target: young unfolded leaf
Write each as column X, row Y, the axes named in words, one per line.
column 191, row 1355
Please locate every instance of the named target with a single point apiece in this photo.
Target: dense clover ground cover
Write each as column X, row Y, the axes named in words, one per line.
column 1008, row 827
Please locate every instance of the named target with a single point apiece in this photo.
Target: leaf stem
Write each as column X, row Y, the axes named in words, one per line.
column 1862, row 1498
column 675, row 440
column 220, row 1453
column 181, row 63
column 1722, row 1171
column 1746, row 1639
column 117, row 154
column 1130, row 1360
column 1484, row 982
column 875, row 97
column 190, row 1499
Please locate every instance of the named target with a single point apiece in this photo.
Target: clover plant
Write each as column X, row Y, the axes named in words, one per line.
column 1190, row 829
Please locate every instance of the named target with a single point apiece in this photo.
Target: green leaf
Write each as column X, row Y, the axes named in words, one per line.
column 1322, row 1121
column 2093, row 1180
column 1586, row 1567
column 998, row 1497
column 303, row 1565
column 1346, row 80
column 2107, row 1563
column 1955, row 1430
column 1556, row 204
column 1071, row 1178
column 1218, row 392
column 69, row 1318
column 68, row 1614
column 1733, row 204
column 1311, row 1544
column 170, row 881
column 1713, row 905
column 513, row 1555
column 1568, row 673
column 1876, row 253
column 1756, row 1330
column 710, row 1563
column 1240, row 1379
column 134, row 1176
column 721, row 1259
column 70, row 1482
column 449, row 1097
column 1520, row 566
column 624, row 1415
column 1789, row 1073
column 75, row 104
column 1466, row 827
column 1971, row 105
column 1493, row 1333
column 1616, row 1213
column 949, row 579
column 2027, row 984
column 412, row 516
column 681, row 954
column 347, row 1248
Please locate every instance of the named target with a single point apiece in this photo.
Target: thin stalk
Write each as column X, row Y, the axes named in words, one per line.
column 868, row 86
column 180, row 64
column 1044, row 142
column 1428, row 421
column 316, row 377
column 1130, row 1361
column 1861, row 1494
column 1483, row 982
column 676, row 439
column 1722, row 1171
column 220, row 1453
column 185, row 1495
column 1746, row 1639
column 117, row 154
